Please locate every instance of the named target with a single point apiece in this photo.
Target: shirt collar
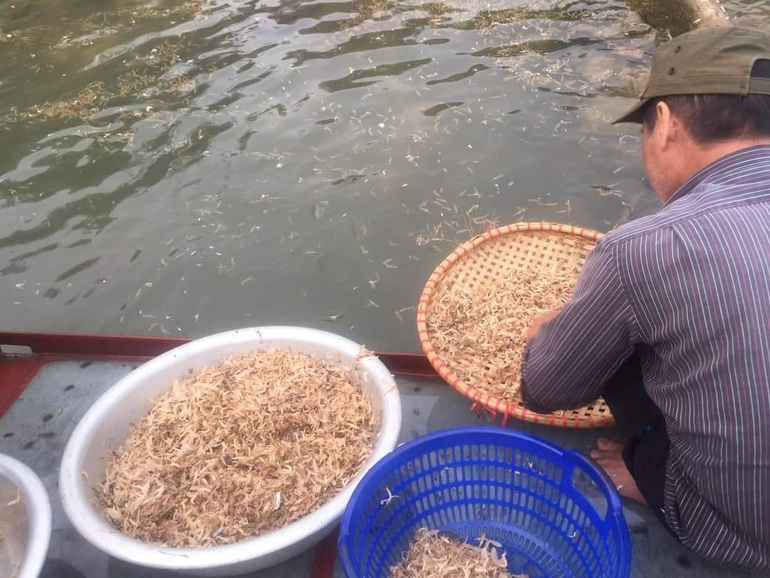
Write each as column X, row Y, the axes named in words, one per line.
column 720, row 168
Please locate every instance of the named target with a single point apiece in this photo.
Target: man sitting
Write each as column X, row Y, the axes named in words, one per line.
column 670, row 318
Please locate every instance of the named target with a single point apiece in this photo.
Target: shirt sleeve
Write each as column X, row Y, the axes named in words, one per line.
column 573, row 355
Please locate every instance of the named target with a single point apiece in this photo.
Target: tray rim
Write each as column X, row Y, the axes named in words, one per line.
column 480, row 397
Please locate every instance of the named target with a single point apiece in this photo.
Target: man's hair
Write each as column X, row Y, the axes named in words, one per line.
column 718, row 117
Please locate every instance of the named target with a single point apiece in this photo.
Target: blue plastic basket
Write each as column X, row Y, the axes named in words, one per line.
column 553, row 511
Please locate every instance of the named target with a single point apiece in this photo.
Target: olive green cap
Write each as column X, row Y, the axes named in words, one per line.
column 705, row 61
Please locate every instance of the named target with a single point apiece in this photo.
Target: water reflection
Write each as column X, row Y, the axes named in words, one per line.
column 184, row 167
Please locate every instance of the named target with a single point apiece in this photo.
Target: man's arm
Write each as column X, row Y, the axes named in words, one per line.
column 573, row 354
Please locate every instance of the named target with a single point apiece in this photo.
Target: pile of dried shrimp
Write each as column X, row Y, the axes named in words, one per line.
column 239, row 449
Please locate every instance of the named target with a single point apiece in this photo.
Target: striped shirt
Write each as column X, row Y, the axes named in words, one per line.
column 689, row 289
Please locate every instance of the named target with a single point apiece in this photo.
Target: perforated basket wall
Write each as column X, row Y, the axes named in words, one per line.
column 552, row 510
column 486, row 260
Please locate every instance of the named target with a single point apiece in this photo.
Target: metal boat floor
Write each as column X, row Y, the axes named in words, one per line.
column 36, row 428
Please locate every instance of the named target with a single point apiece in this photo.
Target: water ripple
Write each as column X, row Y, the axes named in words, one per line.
column 180, row 167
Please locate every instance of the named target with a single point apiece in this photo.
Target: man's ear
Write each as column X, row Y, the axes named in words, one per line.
column 666, row 126
column 671, row 128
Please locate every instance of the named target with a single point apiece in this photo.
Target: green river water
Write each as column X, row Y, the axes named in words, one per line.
column 181, row 168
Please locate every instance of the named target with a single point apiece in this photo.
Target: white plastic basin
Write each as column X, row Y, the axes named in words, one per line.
column 106, row 424
column 25, row 517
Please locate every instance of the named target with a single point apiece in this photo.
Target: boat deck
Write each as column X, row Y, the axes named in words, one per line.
column 58, row 389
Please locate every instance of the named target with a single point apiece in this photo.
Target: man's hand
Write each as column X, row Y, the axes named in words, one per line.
column 539, row 321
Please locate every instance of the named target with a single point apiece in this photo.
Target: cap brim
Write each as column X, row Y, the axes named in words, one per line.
column 634, row 114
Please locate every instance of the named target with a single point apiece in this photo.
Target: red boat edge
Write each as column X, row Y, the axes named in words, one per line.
column 23, row 354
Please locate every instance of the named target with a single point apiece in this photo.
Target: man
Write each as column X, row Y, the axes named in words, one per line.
column 670, row 318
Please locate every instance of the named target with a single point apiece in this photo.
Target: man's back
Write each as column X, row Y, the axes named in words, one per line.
column 697, row 275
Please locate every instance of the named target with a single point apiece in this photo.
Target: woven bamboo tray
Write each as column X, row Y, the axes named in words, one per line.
column 487, row 259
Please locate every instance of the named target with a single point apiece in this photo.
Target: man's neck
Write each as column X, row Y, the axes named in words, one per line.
column 700, row 156
column 704, row 155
